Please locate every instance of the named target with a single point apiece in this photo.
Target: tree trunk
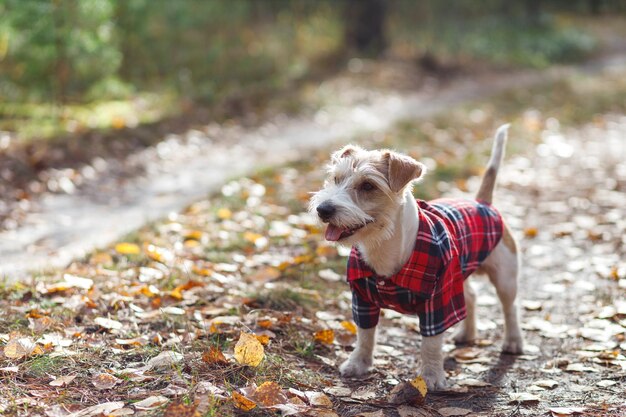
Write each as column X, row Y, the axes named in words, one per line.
column 365, row 27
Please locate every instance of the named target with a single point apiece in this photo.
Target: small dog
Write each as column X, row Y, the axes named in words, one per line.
column 414, row 257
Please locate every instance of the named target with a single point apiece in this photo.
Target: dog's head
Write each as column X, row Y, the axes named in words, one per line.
column 363, row 192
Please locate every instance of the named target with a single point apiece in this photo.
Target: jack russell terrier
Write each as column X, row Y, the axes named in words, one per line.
column 414, row 257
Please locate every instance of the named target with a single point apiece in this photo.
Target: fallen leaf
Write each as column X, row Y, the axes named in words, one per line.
column 21, row 347
column 248, row 350
column 10, row 369
column 530, row 232
column 412, row 393
column 98, row 409
column 165, row 359
column 325, row 336
column 105, row 381
column 566, row 411
column 108, row 323
column 349, row 326
column 126, row 248
column 151, row 403
column 420, row 384
column 269, row 394
column 180, row 409
column 242, row 402
column 214, row 356
column 224, row 214
column 523, row 397
column 606, row 383
column 318, row 399
column 546, row 383
column 453, row 411
column 62, row 381
column 266, row 274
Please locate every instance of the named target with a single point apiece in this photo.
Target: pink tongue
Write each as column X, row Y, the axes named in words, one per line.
column 333, row 233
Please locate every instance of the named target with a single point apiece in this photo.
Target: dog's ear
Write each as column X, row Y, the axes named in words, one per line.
column 402, row 170
column 344, row 152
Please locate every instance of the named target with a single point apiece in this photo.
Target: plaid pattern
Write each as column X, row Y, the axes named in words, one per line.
column 454, row 237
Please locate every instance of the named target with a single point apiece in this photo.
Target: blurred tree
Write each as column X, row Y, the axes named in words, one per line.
column 365, row 26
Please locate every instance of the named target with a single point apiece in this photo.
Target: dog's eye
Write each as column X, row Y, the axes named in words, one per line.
column 366, row 186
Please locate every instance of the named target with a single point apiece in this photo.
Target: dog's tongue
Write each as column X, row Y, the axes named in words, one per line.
column 333, row 233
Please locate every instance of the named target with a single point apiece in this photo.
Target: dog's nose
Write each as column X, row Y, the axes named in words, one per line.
column 326, row 210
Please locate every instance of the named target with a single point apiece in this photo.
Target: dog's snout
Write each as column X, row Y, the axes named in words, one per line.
column 326, row 210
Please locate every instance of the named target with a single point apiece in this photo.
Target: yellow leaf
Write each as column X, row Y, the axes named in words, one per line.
column 242, row 402
column 127, row 248
column 530, row 232
column 349, row 326
column 325, row 336
column 420, row 385
column 248, row 350
column 326, row 251
column 302, row 259
column 19, row 348
column 158, row 254
column 194, row 234
column 264, row 323
column 224, row 214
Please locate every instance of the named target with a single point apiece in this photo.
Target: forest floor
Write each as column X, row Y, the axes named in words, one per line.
column 237, row 306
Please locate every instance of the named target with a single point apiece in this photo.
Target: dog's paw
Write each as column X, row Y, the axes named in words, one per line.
column 513, row 345
column 435, row 379
column 355, row 366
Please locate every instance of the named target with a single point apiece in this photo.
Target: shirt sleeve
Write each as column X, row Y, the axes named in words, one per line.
column 364, row 313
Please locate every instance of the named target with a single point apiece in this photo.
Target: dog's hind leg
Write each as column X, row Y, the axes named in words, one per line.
column 432, row 362
column 502, row 266
column 466, row 332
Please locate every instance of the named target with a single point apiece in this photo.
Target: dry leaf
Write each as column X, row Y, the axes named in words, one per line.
column 108, row 323
column 413, row 392
column 266, row 274
column 20, row 348
column 325, row 336
column 349, row 326
column 165, row 359
column 408, row 411
column 98, row 409
column 151, row 403
column 214, row 356
column 179, row 409
column 318, row 399
column 248, row 350
column 530, row 232
column 453, row 411
column 127, row 248
column 62, row 381
column 566, row 411
column 242, row 402
column 105, row 381
column 523, row 397
column 224, row 214
column 420, row 384
column 268, row 394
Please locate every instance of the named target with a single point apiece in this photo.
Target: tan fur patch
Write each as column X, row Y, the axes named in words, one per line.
column 508, row 239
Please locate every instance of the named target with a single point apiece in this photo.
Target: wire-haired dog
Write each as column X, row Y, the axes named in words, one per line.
column 414, row 256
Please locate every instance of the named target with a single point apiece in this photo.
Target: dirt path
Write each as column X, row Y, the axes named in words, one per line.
column 116, row 197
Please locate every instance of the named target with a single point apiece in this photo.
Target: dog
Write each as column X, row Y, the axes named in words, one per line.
column 415, row 256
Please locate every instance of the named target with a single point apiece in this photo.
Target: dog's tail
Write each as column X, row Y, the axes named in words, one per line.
column 485, row 193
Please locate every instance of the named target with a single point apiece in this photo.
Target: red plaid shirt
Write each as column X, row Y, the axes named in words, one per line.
column 453, row 238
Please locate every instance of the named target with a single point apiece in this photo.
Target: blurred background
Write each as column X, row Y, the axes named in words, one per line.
column 68, row 66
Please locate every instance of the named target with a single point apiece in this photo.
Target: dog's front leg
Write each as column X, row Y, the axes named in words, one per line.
column 361, row 358
column 432, row 362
